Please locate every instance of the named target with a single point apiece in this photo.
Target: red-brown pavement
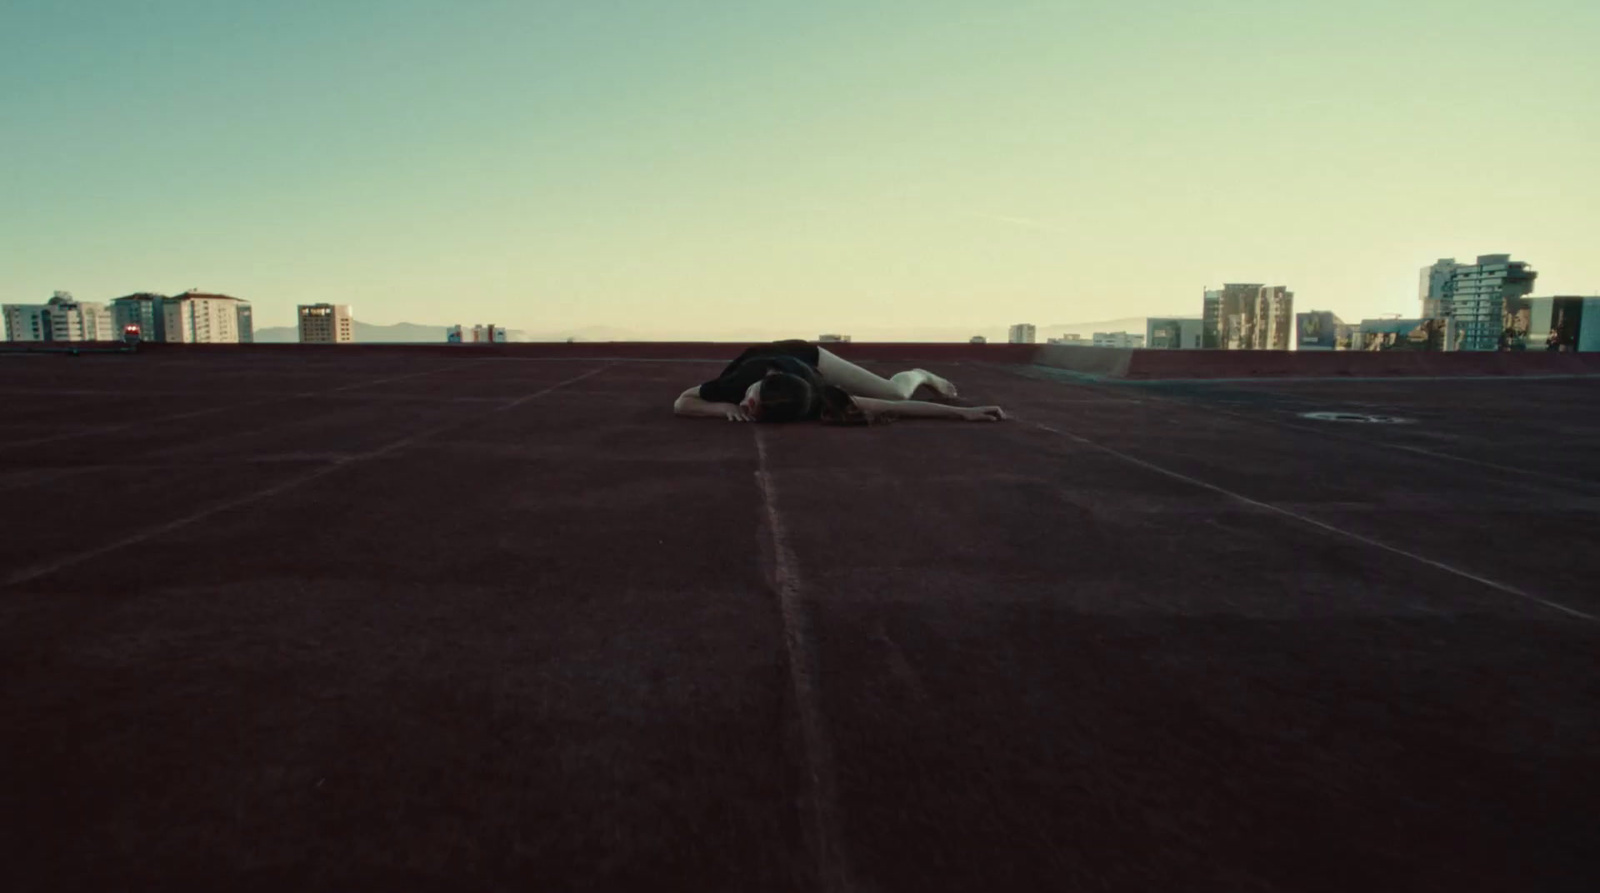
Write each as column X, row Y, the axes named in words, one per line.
column 292, row 619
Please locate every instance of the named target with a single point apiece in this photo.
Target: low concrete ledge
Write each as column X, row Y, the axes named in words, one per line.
column 888, row 352
column 1150, row 365
column 1101, row 362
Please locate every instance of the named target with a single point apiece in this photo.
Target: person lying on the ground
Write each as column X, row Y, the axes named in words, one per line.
column 788, row 381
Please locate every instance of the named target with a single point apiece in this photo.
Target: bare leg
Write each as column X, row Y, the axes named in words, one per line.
column 858, row 382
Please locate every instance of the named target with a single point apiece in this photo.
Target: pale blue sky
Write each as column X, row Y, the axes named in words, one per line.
column 684, row 167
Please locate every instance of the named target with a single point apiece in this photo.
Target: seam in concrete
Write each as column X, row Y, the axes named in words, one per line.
column 1322, row 525
column 1365, row 441
column 1408, row 448
column 251, row 404
column 113, row 429
column 1512, row 469
column 827, row 851
column 1402, row 447
column 45, row 392
column 368, row 384
column 40, row 570
column 1274, row 421
column 557, row 386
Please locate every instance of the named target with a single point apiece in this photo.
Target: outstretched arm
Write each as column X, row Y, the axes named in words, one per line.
column 690, row 405
column 918, row 409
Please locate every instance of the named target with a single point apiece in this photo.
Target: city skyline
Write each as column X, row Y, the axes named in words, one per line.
column 1438, row 291
column 833, row 167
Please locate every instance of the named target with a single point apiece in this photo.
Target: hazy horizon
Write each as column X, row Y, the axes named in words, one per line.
column 412, row 331
column 791, row 169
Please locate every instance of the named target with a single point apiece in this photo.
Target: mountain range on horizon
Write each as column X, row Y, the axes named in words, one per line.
column 414, row 333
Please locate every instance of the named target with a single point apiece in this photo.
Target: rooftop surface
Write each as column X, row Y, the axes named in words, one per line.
column 359, row 619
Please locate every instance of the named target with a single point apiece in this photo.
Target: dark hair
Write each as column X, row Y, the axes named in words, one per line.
column 786, row 397
column 801, row 394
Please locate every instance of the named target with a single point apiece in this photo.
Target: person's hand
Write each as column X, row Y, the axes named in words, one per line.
column 983, row 414
column 736, row 413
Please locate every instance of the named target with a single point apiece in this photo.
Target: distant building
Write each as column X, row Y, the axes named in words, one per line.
column 1022, row 333
column 1174, row 333
column 481, row 334
column 1069, row 338
column 1404, row 334
column 197, row 317
column 246, row 321
column 326, row 324
column 1317, row 330
column 192, row 317
column 146, row 310
column 1346, row 336
column 834, row 339
column 1563, row 324
column 1117, row 339
column 1475, row 297
column 62, row 318
column 1248, row 316
column 1433, row 286
column 1273, row 325
column 978, row 339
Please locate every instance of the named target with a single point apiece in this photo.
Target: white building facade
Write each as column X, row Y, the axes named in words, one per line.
column 62, row 318
column 199, row 318
column 1023, row 333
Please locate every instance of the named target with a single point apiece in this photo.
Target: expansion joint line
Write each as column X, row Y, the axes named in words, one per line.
column 819, row 796
column 39, row 570
column 1322, row 525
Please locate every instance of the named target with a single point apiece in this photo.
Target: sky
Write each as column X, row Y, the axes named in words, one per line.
column 686, row 168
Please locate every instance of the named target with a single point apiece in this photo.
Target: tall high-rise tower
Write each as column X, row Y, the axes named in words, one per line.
column 1475, row 296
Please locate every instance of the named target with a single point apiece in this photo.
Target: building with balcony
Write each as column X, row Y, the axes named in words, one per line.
column 1476, row 297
